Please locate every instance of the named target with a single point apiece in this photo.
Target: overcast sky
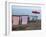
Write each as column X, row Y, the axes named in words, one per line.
column 17, row 10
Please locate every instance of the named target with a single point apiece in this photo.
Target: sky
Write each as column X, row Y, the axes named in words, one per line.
column 21, row 10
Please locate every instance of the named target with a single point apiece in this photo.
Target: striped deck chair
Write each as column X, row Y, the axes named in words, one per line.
column 15, row 20
column 24, row 20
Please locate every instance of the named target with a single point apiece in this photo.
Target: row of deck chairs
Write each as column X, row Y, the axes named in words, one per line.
column 16, row 20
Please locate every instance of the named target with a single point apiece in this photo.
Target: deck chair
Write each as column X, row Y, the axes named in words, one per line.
column 15, row 20
column 24, row 20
